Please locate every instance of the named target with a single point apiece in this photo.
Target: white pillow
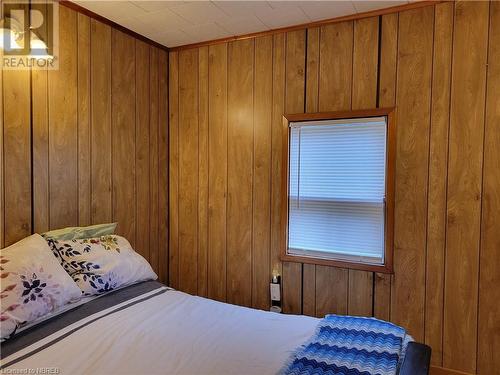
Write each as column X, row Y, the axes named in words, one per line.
column 33, row 284
column 101, row 264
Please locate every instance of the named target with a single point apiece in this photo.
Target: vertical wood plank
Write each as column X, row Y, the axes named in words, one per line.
column 63, row 123
column 84, row 142
column 40, row 134
column 464, row 184
column 413, row 118
column 309, row 289
column 217, row 164
column 277, row 149
column 387, row 98
column 173, row 125
column 335, row 67
column 163, row 166
column 100, row 73
column 124, row 134
column 142, row 162
column 40, row 142
column 240, row 171
column 388, row 60
column 364, row 95
column 17, row 159
column 489, row 294
column 294, row 103
column 312, row 76
column 262, row 172
column 382, row 296
column 153, row 157
column 331, row 290
column 438, row 168
column 360, row 300
column 312, row 92
column 292, row 288
column 203, row 172
column 335, row 92
column 188, row 170
column 365, row 63
column 295, row 71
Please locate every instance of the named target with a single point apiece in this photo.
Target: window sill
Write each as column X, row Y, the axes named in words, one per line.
column 383, row 268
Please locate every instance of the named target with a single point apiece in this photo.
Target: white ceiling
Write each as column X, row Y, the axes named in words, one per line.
column 175, row 23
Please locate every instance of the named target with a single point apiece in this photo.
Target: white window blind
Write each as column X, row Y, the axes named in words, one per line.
column 337, row 189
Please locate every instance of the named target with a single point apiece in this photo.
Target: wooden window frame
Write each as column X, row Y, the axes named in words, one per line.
column 389, row 113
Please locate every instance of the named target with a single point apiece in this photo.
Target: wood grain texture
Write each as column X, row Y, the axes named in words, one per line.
column 173, row 169
column 203, row 172
column 360, row 293
column 413, row 119
column 63, row 126
column 188, row 171
column 331, row 290
column 142, row 162
column 465, row 160
column 84, row 142
column 438, row 170
column 240, row 171
column 489, row 293
column 387, row 98
column 217, row 164
column 335, row 68
column 365, row 63
column 16, row 137
column 40, row 146
column 295, row 78
column 154, row 127
column 364, row 95
column 279, row 63
column 17, row 149
column 40, row 142
column 309, row 289
column 382, row 296
column 261, row 205
column 124, row 134
column 436, row 370
column 388, row 60
column 163, row 233
column 292, row 288
column 312, row 64
column 295, row 75
column 100, row 73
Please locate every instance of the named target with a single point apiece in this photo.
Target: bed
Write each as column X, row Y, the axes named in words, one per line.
column 148, row 328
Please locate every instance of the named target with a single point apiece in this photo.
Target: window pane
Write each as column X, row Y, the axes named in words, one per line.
column 337, row 187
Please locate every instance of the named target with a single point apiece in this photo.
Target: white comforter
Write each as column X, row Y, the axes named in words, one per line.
column 175, row 333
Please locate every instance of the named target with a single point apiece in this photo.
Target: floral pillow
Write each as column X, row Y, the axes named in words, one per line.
column 32, row 284
column 101, row 264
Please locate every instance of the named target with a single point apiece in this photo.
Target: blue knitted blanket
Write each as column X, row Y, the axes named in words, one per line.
column 347, row 345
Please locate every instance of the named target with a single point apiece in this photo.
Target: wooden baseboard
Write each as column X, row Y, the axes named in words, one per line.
column 435, row 370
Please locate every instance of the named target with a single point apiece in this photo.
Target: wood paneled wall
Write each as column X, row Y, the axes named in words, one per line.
column 440, row 66
column 88, row 143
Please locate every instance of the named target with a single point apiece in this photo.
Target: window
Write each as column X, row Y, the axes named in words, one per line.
column 339, row 191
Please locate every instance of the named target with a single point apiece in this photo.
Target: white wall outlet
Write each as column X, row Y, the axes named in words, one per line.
column 275, row 292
